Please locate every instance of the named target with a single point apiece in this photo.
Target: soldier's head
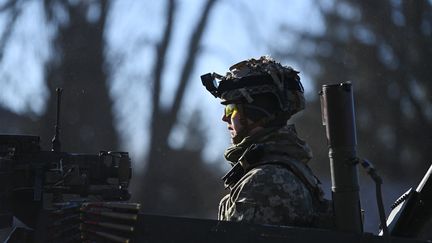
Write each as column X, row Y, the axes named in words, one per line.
column 256, row 93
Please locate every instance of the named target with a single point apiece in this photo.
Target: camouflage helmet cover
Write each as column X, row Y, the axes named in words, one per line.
column 264, row 75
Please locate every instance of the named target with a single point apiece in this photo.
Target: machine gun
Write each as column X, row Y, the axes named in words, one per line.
column 30, row 174
column 33, row 180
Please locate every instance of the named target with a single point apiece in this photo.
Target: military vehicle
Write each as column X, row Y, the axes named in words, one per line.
column 66, row 197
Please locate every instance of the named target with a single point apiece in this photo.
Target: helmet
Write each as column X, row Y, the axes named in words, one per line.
column 253, row 77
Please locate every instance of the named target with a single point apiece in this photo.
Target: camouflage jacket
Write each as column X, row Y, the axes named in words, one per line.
column 270, row 182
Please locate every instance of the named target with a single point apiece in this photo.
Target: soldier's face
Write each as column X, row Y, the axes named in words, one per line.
column 232, row 117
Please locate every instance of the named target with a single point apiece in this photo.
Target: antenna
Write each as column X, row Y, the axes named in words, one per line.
column 56, row 145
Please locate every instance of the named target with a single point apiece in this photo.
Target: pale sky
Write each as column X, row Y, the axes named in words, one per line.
column 237, row 30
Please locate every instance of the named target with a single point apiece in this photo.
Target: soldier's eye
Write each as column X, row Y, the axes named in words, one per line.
column 230, row 109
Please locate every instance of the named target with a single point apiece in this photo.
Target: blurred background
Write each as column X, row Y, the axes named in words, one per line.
column 131, row 70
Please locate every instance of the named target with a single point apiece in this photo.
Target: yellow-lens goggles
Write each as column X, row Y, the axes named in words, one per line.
column 230, row 110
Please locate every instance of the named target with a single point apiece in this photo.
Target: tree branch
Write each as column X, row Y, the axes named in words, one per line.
column 7, row 5
column 4, row 39
column 159, row 65
column 105, row 7
column 190, row 61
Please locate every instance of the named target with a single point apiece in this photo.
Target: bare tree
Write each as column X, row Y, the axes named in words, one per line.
column 171, row 183
column 383, row 47
column 78, row 67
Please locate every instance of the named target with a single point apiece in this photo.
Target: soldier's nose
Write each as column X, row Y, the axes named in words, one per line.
column 226, row 118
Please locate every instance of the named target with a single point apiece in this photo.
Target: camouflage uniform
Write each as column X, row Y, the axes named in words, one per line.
column 270, row 182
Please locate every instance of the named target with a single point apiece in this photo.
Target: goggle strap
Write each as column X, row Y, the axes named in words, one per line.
column 243, row 119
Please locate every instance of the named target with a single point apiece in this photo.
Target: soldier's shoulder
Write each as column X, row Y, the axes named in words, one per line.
column 269, row 181
column 269, row 174
column 269, row 168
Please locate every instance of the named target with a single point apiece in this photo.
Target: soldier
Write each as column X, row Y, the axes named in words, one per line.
column 270, row 181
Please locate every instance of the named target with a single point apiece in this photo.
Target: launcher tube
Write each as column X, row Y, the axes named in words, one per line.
column 337, row 109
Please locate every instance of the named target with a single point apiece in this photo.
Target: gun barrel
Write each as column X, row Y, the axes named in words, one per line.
column 338, row 117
